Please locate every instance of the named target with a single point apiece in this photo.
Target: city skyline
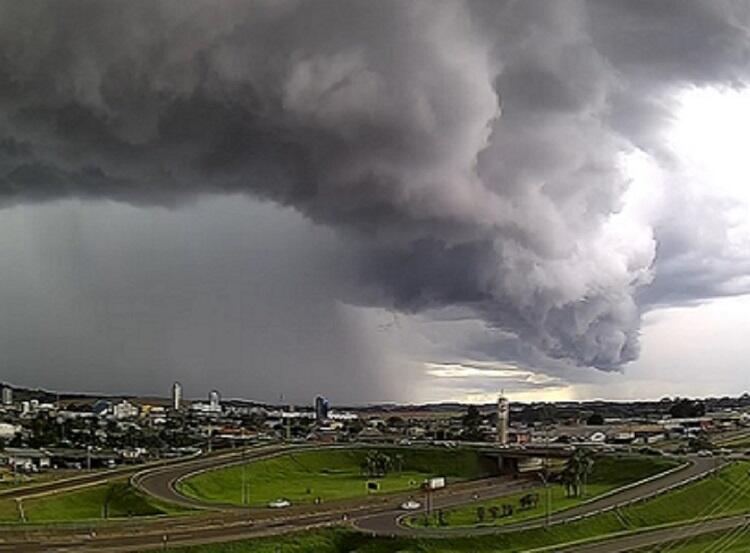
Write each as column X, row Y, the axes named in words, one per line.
column 365, row 276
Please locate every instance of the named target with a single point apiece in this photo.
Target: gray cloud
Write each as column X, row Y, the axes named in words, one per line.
column 223, row 294
column 468, row 153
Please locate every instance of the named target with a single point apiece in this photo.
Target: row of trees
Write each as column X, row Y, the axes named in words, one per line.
column 576, row 472
column 528, row 501
column 377, row 464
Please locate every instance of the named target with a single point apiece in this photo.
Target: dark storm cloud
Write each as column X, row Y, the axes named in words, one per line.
column 382, row 120
column 224, row 294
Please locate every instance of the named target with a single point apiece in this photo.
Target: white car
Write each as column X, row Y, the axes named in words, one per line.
column 411, row 505
column 279, row 503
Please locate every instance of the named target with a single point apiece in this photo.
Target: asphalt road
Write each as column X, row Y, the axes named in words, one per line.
column 195, row 534
column 86, row 479
column 388, row 523
column 378, row 514
column 222, row 526
column 161, row 482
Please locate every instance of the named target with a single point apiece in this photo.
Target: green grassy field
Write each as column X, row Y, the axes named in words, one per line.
column 120, row 498
column 608, row 473
column 734, row 541
column 9, row 480
column 330, row 474
column 726, row 493
column 348, row 541
column 742, row 442
column 8, row 511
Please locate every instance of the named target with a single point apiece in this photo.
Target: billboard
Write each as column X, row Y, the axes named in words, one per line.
column 435, row 483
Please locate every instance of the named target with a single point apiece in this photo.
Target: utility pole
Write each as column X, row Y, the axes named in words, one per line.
column 544, row 477
column 244, row 480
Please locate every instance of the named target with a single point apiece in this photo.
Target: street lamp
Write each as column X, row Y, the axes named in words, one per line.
column 544, row 477
column 245, row 498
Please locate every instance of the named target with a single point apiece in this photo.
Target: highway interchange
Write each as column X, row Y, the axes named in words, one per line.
column 377, row 515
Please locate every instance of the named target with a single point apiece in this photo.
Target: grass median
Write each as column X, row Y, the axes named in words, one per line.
column 112, row 500
column 726, row 493
column 736, row 540
column 609, row 473
column 331, row 474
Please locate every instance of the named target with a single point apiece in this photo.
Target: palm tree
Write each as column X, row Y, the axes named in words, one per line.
column 376, row 464
column 398, row 460
column 576, row 471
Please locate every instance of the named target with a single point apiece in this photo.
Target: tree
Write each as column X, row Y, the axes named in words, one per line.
column 687, row 408
column 576, row 472
column 44, row 430
column 595, row 420
column 376, row 464
column 395, row 422
column 355, row 427
column 470, row 422
column 529, row 501
column 568, row 480
column 441, row 518
column 398, row 462
column 700, row 442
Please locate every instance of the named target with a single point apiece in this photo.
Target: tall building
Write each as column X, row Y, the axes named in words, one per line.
column 214, row 400
column 503, row 418
column 321, row 408
column 176, row 396
column 7, row 395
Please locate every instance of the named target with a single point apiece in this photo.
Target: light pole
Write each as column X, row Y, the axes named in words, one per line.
column 245, row 499
column 544, row 477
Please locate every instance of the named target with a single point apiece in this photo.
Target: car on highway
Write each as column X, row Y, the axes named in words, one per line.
column 279, row 503
column 411, row 505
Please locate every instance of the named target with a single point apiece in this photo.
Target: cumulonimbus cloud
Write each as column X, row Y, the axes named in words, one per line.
column 472, row 150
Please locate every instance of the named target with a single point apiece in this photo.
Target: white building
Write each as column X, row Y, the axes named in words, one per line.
column 206, row 408
column 125, row 410
column 176, row 396
column 344, row 416
column 503, row 418
column 7, row 395
column 25, row 459
column 214, row 401
column 8, row 431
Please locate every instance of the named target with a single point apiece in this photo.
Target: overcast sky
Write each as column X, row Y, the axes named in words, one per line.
column 376, row 201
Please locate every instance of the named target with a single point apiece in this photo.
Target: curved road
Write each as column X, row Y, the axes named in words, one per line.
column 388, row 523
column 161, row 482
column 377, row 515
column 86, row 479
